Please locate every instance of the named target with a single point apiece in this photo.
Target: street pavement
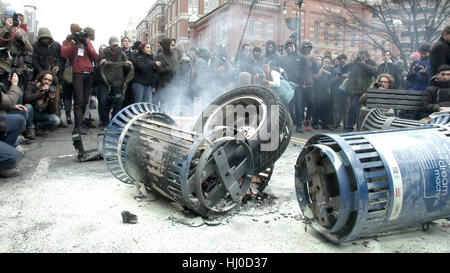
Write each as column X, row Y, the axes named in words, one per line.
column 59, row 205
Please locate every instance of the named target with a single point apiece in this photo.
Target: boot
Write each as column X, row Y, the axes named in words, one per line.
column 30, row 133
column 9, row 173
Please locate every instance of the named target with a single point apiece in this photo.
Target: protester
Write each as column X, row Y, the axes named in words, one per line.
column 144, row 67
column 362, row 72
column 440, row 53
column 112, row 62
column 388, row 67
column 339, row 96
column 437, row 95
column 309, row 67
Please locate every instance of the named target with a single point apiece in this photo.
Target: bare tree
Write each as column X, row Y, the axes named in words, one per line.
column 404, row 23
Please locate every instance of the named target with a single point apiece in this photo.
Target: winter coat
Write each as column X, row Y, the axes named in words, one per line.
column 33, row 96
column 361, row 77
column 69, row 50
column 417, row 80
column 144, row 68
column 46, row 57
column 9, row 100
column 17, row 44
column 115, row 75
column 440, row 54
column 393, row 70
column 292, row 64
column 309, row 67
column 169, row 64
column 436, row 95
column 274, row 59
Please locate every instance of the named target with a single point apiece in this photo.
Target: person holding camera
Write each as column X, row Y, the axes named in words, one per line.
column 419, row 74
column 362, row 72
column 81, row 53
column 40, row 100
column 15, row 49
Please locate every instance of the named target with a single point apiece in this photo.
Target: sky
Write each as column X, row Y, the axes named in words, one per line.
column 108, row 18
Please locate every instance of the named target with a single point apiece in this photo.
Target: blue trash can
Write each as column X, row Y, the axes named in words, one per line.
column 359, row 184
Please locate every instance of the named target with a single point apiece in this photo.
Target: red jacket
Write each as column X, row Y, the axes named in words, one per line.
column 69, row 50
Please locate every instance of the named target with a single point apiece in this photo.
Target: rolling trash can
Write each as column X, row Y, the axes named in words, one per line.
column 209, row 174
column 355, row 185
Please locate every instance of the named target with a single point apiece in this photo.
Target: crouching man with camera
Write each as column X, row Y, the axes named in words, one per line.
column 40, row 100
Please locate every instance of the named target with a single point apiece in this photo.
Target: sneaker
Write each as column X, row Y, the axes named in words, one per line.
column 10, row 173
column 299, row 129
column 69, row 120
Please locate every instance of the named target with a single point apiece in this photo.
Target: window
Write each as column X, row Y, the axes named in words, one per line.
column 353, row 40
column 210, row 5
column 251, row 28
column 336, row 35
column 264, row 30
column 316, row 32
column 193, row 7
column 326, row 37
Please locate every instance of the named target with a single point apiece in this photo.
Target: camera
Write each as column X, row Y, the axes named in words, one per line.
column 52, row 89
column 80, row 37
column 417, row 68
column 377, row 85
column 16, row 21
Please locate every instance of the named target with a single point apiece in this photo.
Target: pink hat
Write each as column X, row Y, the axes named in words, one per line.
column 416, row 54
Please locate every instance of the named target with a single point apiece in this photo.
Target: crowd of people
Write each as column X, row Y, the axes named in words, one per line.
column 42, row 80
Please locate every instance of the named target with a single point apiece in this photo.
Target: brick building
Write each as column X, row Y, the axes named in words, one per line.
column 208, row 23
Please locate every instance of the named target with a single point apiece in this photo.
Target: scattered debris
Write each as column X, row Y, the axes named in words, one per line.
column 129, row 218
column 191, row 222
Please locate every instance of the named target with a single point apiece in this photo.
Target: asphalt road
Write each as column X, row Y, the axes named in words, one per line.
column 60, row 205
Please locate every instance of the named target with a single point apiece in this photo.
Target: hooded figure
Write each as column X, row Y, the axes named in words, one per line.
column 272, row 58
column 169, row 63
column 46, row 53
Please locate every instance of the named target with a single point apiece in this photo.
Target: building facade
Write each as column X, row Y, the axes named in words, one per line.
column 209, row 23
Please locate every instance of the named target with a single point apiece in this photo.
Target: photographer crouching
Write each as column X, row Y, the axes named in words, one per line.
column 40, row 100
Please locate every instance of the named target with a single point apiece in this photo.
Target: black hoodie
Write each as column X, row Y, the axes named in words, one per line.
column 273, row 58
column 169, row 63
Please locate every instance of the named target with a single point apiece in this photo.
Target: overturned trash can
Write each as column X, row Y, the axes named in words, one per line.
column 209, row 174
column 257, row 113
column 376, row 120
column 356, row 185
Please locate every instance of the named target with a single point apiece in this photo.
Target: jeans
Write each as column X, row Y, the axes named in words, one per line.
column 108, row 100
column 14, row 126
column 26, row 116
column 9, row 156
column 142, row 93
column 46, row 121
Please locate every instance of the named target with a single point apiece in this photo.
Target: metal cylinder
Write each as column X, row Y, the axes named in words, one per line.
column 376, row 120
column 208, row 174
column 355, row 185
